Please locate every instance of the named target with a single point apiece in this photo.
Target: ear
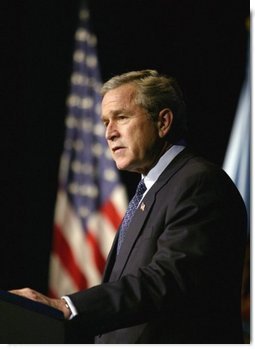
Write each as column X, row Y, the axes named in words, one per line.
column 165, row 120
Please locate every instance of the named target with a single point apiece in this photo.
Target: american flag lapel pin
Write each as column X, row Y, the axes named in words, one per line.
column 142, row 206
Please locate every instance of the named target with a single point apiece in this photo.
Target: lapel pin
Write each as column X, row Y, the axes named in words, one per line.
column 142, row 206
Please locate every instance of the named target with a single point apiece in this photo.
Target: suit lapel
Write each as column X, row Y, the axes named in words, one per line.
column 110, row 259
column 114, row 270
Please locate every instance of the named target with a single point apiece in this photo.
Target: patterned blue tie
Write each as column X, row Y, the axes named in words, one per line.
column 141, row 188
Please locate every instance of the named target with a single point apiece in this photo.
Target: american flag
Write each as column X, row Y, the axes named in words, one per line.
column 91, row 200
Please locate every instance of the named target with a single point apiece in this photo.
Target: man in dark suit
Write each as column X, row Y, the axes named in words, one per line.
column 174, row 272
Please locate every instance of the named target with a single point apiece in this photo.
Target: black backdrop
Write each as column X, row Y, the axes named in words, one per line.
column 202, row 43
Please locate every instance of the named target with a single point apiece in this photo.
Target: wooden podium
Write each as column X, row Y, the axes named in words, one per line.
column 23, row 321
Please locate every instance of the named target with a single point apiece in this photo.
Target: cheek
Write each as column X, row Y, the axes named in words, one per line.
column 136, row 144
column 146, row 139
column 140, row 140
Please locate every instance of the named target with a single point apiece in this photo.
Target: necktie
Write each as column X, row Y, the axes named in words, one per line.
column 141, row 188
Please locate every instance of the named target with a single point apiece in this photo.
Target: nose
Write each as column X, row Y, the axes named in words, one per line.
column 111, row 131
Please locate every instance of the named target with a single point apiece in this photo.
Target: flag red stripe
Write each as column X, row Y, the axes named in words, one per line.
column 64, row 252
column 99, row 259
column 109, row 210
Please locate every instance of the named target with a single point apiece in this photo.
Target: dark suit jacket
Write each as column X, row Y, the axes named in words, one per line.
column 178, row 276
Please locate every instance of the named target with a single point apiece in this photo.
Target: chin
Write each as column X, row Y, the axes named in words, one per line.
column 119, row 166
column 123, row 167
column 126, row 166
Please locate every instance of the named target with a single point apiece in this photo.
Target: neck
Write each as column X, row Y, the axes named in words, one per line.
column 166, row 146
column 164, row 149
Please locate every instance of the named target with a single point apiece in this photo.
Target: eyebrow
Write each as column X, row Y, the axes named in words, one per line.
column 115, row 113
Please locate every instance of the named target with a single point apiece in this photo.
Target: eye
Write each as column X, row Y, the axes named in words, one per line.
column 105, row 122
column 122, row 117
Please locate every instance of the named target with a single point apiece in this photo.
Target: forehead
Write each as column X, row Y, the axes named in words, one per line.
column 120, row 97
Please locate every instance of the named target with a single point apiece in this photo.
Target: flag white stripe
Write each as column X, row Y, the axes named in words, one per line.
column 98, row 224
column 76, row 240
column 66, row 218
column 61, row 283
column 119, row 200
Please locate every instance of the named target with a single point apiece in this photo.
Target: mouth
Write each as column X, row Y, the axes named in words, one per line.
column 117, row 149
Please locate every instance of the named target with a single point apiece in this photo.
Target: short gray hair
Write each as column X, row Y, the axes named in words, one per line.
column 155, row 92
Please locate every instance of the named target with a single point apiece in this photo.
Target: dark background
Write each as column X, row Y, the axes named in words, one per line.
column 202, row 43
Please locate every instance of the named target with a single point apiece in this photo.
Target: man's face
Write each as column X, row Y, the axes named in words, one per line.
column 132, row 136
